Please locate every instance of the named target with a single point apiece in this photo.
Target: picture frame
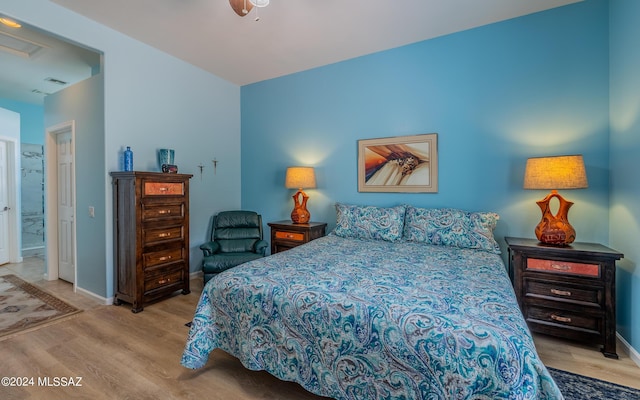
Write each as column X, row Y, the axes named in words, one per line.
column 407, row 164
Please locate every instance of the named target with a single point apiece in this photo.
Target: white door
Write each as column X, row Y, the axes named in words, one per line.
column 65, row 207
column 4, row 206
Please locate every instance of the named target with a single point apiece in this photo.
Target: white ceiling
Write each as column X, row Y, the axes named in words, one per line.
column 291, row 35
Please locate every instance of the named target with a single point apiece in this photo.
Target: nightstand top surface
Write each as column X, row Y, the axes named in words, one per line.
column 147, row 174
column 286, row 222
column 534, row 244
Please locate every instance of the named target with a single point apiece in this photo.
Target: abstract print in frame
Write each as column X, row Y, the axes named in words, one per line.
column 399, row 164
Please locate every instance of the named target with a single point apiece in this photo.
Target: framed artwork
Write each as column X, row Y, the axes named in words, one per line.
column 399, row 164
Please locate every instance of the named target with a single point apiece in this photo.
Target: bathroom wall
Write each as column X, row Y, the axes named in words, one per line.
column 32, row 192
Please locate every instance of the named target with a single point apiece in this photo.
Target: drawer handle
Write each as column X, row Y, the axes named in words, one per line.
column 561, row 292
column 163, row 281
column 165, row 258
column 163, row 189
column 559, row 318
column 561, row 267
column 164, row 212
column 163, row 235
column 290, row 236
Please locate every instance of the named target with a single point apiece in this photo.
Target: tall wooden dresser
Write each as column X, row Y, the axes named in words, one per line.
column 151, row 236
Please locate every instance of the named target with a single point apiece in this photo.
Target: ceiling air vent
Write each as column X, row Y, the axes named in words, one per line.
column 56, row 81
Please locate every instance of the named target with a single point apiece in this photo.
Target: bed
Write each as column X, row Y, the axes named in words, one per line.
column 395, row 303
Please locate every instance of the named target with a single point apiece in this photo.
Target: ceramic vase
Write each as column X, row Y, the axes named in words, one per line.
column 165, row 156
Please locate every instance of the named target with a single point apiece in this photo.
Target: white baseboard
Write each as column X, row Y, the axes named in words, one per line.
column 33, row 252
column 109, row 300
column 633, row 354
column 103, row 300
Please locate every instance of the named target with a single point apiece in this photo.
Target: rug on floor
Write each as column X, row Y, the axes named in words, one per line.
column 579, row 387
column 24, row 306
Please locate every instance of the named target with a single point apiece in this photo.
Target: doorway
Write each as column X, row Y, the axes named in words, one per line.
column 60, row 202
column 9, row 202
column 4, row 206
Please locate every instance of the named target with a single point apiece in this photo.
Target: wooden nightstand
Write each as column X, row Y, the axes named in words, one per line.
column 569, row 292
column 286, row 235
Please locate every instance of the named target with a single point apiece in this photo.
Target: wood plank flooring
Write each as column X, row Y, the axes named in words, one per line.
column 122, row 355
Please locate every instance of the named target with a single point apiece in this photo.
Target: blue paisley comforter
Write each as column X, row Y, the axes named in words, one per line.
column 365, row 319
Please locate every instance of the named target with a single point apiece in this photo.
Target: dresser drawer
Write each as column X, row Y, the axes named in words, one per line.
column 593, row 297
column 162, row 257
column 163, row 188
column 567, row 319
column 564, row 267
column 164, row 279
column 157, row 235
column 160, row 211
column 293, row 236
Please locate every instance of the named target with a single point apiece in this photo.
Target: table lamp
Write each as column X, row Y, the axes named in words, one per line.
column 557, row 172
column 300, row 178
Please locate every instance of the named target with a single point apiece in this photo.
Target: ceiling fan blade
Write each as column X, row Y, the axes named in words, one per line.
column 241, row 7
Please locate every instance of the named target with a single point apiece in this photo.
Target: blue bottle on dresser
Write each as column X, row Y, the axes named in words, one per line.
column 128, row 159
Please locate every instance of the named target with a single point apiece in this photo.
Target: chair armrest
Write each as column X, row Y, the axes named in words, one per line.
column 209, row 248
column 260, row 247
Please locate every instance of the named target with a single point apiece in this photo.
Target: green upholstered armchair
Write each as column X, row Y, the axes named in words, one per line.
column 236, row 237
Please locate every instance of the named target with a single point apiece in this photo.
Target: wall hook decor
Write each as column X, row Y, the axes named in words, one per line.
column 201, row 167
column 215, row 165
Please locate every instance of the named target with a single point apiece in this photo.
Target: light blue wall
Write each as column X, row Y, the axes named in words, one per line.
column 151, row 101
column 624, row 224
column 31, row 119
column 83, row 103
column 496, row 95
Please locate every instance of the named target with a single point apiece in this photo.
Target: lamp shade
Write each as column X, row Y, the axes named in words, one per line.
column 558, row 172
column 300, row 178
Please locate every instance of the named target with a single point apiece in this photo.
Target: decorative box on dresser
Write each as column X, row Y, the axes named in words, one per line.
column 567, row 291
column 286, row 234
column 151, row 236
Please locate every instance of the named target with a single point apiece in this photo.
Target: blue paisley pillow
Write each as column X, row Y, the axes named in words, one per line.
column 369, row 222
column 451, row 227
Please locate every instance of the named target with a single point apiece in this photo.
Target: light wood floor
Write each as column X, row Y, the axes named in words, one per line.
column 121, row 355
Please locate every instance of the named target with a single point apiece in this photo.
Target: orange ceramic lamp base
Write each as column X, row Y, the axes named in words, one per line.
column 300, row 214
column 555, row 229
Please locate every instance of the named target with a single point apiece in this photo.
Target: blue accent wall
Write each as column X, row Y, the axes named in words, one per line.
column 563, row 81
column 624, row 224
column 31, row 120
column 495, row 95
